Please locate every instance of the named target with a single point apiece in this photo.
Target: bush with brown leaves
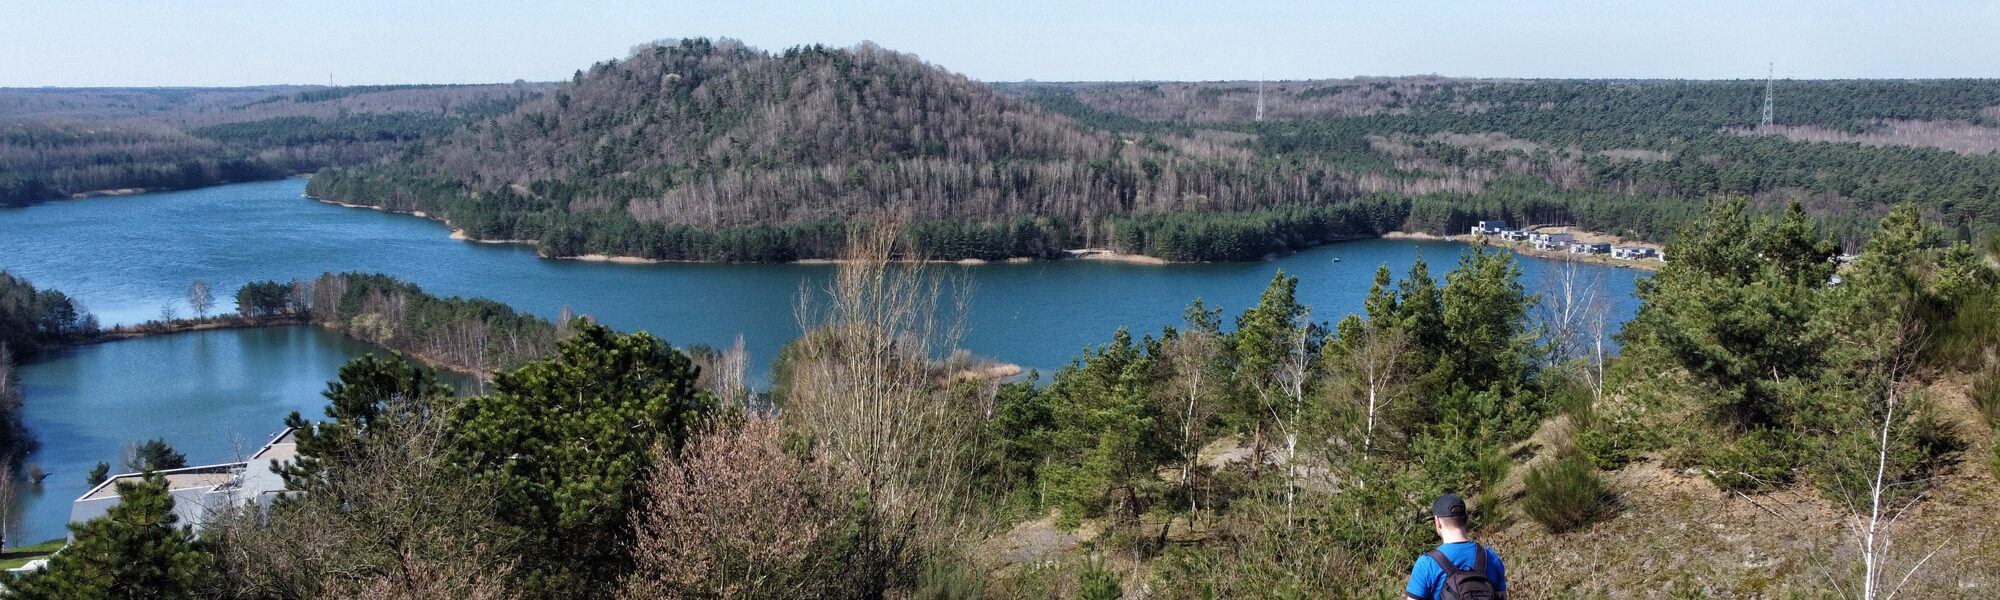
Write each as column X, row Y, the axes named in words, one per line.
column 737, row 515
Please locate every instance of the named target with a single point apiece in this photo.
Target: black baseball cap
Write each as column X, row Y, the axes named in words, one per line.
column 1448, row 505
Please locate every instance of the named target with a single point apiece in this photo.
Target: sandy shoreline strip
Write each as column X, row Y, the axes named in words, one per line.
column 109, row 192
column 623, row 260
column 460, row 235
column 988, row 372
column 1108, row 255
column 1415, row 235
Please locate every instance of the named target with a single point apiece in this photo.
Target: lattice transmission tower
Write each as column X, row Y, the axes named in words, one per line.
column 1769, row 77
column 1260, row 99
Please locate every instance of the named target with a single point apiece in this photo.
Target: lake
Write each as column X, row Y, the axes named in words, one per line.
column 216, row 396
column 125, row 258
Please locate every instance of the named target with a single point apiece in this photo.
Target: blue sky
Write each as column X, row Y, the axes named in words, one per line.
column 239, row 42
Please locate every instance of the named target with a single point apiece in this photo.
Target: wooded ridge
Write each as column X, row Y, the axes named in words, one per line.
column 67, row 142
column 715, row 151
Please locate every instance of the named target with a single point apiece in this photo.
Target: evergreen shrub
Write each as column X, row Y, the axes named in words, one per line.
column 1566, row 494
column 1758, row 460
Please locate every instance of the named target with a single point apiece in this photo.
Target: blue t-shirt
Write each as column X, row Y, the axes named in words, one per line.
column 1427, row 578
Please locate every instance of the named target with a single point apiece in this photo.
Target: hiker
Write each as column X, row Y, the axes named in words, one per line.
column 1458, row 569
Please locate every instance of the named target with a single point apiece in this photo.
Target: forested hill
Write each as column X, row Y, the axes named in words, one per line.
column 62, row 142
column 1627, row 156
column 704, row 150
column 711, row 150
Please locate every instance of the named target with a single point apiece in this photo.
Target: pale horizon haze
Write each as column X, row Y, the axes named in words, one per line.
column 238, row 42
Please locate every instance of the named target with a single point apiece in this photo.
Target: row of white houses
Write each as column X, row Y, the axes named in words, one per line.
column 1561, row 242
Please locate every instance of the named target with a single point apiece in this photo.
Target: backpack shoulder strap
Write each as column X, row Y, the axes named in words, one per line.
column 1478, row 559
column 1438, row 556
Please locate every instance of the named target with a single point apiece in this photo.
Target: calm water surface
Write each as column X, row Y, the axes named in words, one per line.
column 126, row 258
column 216, row 396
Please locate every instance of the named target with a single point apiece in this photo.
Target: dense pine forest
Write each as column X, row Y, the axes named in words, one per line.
column 64, row 142
column 1630, row 157
column 710, row 150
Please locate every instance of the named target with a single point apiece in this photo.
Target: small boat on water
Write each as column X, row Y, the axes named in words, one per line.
column 1336, row 259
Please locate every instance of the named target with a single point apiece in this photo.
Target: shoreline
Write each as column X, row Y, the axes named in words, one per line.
column 1647, row 265
column 110, row 192
column 1582, row 235
column 1100, row 254
column 1118, row 257
column 217, row 323
column 236, row 321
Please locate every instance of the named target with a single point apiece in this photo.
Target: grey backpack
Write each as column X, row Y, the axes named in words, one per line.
column 1464, row 584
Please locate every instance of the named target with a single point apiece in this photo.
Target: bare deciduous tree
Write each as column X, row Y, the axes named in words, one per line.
column 737, row 516
column 866, row 386
column 1567, row 300
column 200, row 298
column 730, row 387
column 1899, row 342
column 1377, row 355
column 394, row 520
column 1191, row 355
column 1596, row 323
column 1294, row 375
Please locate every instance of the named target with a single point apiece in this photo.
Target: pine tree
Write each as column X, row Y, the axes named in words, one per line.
column 368, row 388
column 136, row 550
column 1734, row 308
column 567, row 441
column 154, row 455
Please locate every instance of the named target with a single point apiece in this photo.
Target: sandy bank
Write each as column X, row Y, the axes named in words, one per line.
column 1102, row 254
column 623, row 260
column 988, row 372
column 339, row 203
column 1415, row 235
column 461, row 235
column 109, row 192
